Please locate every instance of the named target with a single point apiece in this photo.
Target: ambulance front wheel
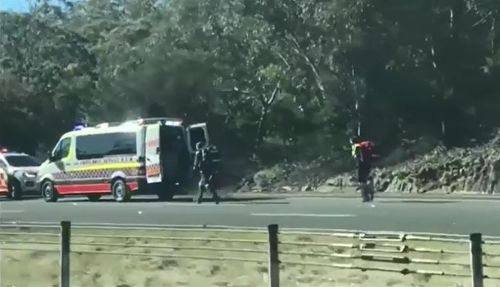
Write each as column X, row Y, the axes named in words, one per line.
column 120, row 190
column 49, row 193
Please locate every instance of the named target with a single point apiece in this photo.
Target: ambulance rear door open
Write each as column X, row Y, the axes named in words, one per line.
column 197, row 133
column 152, row 154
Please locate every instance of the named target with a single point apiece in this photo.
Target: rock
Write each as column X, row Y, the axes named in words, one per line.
column 331, row 182
column 343, row 180
column 267, row 177
column 383, row 185
column 257, row 189
column 306, row 188
column 244, row 188
column 326, row 189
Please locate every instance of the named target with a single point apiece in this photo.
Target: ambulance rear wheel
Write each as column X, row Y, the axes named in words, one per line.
column 120, row 190
column 49, row 193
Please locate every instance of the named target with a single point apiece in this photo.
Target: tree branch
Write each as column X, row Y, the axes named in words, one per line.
column 274, row 94
column 317, row 77
column 284, row 60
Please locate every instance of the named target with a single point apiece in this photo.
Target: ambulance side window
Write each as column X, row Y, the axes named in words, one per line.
column 102, row 145
column 62, row 149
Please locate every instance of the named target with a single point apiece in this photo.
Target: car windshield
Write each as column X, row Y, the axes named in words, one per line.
column 21, row 160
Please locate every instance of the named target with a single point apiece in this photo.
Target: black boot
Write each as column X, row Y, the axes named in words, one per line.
column 199, row 198
column 364, row 193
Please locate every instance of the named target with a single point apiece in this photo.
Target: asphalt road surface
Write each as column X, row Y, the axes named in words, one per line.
column 461, row 216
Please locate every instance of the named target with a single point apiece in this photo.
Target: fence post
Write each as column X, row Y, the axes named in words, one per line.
column 64, row 256
column 476, row 259
column 274, row 263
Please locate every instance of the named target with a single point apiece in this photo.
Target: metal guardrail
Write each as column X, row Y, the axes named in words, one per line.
column 394, row 251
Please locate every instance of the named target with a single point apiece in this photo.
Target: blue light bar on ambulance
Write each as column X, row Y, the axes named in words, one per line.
column 79, row 126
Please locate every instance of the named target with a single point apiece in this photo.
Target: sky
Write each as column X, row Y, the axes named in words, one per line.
column 14, row 5
column 17, row 5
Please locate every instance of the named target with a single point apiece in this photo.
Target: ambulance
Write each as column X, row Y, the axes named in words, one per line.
column 144, row 156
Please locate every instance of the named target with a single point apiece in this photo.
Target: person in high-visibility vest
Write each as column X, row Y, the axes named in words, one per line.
column 362, row 151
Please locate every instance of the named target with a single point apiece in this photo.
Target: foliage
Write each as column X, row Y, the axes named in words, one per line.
column 297, row 73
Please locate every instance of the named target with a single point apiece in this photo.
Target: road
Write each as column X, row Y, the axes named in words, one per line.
column 461, row 216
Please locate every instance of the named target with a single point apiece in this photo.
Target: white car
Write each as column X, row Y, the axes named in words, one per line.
column 21, row 170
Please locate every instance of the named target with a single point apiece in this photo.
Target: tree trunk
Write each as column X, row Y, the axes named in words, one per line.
column 261, row 130
column 266, row 106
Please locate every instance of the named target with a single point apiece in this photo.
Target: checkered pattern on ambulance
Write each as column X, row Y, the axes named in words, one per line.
column 102, row 169
column 97, row 174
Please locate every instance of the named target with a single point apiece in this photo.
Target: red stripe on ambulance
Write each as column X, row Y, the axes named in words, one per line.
column 91, row 188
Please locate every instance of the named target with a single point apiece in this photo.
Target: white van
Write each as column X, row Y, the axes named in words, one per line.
column 151, row 155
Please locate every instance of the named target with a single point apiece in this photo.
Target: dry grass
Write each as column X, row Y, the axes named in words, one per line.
column 40, row 269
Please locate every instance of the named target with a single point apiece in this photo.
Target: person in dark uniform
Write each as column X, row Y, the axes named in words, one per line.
column 206, row 163
column 362, row 151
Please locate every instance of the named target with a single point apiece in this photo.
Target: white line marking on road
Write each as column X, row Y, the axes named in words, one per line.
column 11, row 211
column 302, row 215
column 205, row 204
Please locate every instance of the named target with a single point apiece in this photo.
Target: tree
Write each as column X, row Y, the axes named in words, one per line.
column 299, row 75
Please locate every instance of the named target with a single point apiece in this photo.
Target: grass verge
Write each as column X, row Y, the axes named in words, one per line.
column 121, row 258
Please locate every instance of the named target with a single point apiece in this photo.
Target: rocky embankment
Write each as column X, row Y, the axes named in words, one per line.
column 286, row 177
column 475, row 169
column 457, row 170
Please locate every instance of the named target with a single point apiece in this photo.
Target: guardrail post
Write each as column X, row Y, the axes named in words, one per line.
column 274, row 263
column 476, row 259
column 64, row 256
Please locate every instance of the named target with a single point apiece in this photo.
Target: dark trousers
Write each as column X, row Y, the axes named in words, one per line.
column 207, row 182
column 364, row 172
column 365, row 181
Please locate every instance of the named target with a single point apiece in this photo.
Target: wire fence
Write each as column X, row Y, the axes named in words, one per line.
column 473, row 258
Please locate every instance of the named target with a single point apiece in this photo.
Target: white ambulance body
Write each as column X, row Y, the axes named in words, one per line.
column 144, row 156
